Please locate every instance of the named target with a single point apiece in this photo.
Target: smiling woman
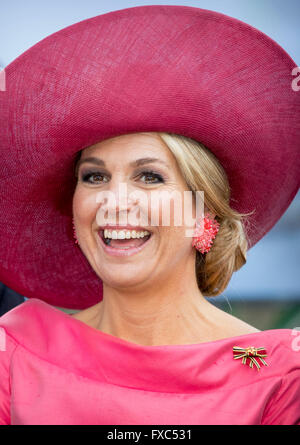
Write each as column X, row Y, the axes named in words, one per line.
column 141, row 107
column 156, row 254
column 200, row 170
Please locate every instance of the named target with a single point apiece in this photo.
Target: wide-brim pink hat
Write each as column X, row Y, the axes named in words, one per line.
column 175, row 69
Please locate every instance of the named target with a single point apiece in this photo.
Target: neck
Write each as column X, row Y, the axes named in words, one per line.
column 172, row 313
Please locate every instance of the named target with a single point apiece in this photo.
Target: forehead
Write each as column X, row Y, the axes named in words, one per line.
column 130, row 146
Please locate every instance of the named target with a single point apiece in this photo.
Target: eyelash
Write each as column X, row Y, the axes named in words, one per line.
column 86, row 176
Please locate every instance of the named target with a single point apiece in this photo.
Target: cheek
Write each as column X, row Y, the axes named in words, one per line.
column 178, row 232
column 170, row 218
column 84, row 206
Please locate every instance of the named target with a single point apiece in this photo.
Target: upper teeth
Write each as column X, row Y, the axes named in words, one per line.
column 122, row 234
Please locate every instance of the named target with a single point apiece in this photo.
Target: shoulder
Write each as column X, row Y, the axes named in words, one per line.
column 282, row 347
column 225, row 325
column 284, row 405
column 34, row 325
column 275, row 384
column 25, row 329
column 44, row 335
column 283, row 343
column 24, row 318
column 282, row 379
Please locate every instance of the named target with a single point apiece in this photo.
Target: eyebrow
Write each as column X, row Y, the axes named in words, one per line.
column 137, row 163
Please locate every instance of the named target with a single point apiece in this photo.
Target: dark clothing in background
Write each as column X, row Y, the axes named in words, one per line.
column 9, row 299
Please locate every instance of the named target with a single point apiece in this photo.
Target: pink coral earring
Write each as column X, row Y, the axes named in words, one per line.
column 74, row 232
column 205, row 233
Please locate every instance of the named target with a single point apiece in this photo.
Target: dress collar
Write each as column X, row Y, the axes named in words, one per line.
column 71, row 344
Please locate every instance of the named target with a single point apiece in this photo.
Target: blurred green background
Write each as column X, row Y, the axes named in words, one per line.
column 264, row 314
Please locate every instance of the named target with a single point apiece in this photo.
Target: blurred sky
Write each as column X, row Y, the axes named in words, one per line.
column 273, row 266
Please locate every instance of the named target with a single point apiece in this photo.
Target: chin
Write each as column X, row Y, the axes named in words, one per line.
column 118, row 276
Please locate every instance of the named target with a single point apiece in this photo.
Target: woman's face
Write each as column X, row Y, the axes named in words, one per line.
column 119, row 161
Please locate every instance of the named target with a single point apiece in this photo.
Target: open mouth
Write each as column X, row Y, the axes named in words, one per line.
column 125, row 243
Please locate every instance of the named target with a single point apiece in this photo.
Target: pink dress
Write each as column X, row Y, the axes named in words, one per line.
column 55, row 369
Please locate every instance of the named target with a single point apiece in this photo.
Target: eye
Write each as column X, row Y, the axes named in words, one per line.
column 85, row 177
column 96, row 177
column 152, row 175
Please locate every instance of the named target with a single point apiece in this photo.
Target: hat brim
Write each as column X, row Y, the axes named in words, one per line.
column 176, row 69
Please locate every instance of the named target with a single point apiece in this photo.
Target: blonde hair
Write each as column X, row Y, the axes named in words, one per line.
column 202, row 171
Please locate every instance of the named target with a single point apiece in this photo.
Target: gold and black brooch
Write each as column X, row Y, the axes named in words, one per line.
column 251, row 353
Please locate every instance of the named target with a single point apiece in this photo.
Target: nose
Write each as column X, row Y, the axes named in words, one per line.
column 116, row 200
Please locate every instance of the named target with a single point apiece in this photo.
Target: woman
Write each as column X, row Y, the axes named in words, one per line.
column 103, row 97
column 143, row 302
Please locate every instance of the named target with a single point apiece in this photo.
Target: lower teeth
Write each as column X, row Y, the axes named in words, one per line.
column 107, row 242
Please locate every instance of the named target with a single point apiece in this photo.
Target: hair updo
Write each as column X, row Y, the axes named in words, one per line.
column 202, row 171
